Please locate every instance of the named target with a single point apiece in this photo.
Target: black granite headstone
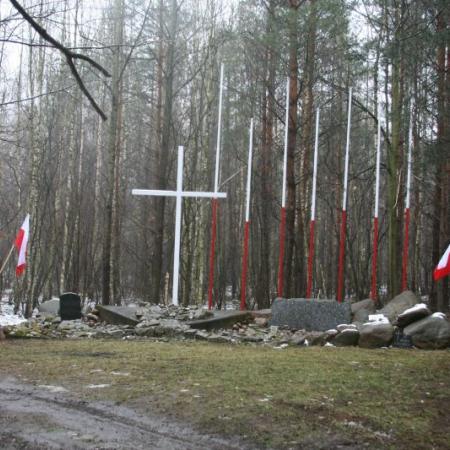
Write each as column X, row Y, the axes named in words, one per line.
column 69, row 306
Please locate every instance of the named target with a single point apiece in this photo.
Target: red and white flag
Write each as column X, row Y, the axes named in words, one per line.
column 21, row 245
column 443, row 268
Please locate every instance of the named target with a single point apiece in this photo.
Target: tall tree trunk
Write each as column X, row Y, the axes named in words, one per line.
column 263, row 283
column 440, row 290
column 163, row 162
column 393, row 162
column 113, row 150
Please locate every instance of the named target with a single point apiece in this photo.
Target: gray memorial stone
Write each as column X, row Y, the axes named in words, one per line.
column 311, row 315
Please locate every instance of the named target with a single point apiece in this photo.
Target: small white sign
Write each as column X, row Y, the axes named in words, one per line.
column 377, row 318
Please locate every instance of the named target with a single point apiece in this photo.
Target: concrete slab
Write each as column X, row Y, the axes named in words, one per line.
column 265, row 313
column 310, row 315
column 118, row 315
column 221, row 319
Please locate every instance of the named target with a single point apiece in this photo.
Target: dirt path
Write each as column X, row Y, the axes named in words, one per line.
column 40, row 417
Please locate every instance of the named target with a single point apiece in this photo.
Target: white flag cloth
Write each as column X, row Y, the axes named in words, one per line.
column 21, row 245
column 443, row 268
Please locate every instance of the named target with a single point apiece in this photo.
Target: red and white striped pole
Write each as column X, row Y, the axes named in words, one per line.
column 344, row 206
column 212, row 251
column 247, row 221
column 313, row 210
column 373, row 290
column 283, row 199
column 407, row 205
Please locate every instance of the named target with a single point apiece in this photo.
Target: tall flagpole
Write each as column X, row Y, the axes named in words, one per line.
column 214, row 200
column 373, row 291
column 283, row 198
column 344, row 206
column 313, row 210
column 407, row 206
column 247, row 221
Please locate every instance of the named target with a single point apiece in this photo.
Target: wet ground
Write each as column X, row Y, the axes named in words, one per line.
column 48, row 417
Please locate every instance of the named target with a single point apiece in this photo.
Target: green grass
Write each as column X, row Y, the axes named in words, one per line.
column 296, row 397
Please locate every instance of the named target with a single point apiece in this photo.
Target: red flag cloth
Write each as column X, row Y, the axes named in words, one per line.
column 443, row 268
column 21, row 245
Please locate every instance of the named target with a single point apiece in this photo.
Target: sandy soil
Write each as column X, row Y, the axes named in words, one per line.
column 40, row 417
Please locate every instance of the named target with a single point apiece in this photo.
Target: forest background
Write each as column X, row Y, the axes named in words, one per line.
column 73, row 171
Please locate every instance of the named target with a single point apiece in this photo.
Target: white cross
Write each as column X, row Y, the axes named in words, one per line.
column 179, row 194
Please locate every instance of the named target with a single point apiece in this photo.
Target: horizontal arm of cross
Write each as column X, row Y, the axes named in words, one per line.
column 204, row 194
column 161, row 193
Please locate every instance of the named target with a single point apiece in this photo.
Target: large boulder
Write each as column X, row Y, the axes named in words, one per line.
column 49, row 308
column 362, row 309
column 399, row 304
column 347, row 337
column 433, row 332
column 310, row 315
column 376, row 334
column 413, row 314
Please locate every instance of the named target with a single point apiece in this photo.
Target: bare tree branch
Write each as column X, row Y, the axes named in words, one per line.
column 69, row 54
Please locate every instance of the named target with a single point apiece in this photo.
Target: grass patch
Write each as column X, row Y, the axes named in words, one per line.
column 293, row 398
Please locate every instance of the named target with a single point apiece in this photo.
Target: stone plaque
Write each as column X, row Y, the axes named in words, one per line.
column 310, row 315
column 69, row 306
column 401, row 340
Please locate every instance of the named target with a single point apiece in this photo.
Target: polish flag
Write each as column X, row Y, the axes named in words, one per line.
column 21, row 245
column 443, row 268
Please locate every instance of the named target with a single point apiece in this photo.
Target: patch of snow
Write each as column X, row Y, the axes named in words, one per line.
column 7, row 316
column 281, row 347
column 329, row 344
column 377, row 319
column 53, row 389
column 439, row 315
column 418, row 307
column 97, row 386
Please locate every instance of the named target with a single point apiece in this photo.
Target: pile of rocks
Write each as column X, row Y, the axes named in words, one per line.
column 403, row 319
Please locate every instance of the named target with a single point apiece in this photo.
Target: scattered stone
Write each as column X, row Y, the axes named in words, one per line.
column 413, row 314
column 317, row 338
column 344, row 326
column 261, row 321
column 332, row 333
column 432, row 332
column 347, row 337
column 201, row 335
column 398, row 305
column 252, row 339
column 375, row 335
column 93, row 317
column 219, row 339
column 190, row 333
column 311, row 315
